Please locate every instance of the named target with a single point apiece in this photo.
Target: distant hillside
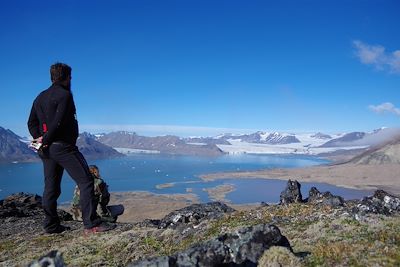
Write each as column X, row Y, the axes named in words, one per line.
column 164, row 144
column 93, row 149
column 12, row 149
column 370, row 139
column 345, row 140
column 384, row 154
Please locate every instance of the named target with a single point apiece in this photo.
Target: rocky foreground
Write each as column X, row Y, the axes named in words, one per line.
column 320, row 230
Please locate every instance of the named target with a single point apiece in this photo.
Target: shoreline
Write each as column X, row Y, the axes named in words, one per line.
column 352, row 176
column 142, row 205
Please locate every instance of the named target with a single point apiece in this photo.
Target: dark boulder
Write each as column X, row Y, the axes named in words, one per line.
column 243, row 247
column 20, row 205
column 53, row 258
column 193, row 214
column 325, row 198
column 26, row 205
column 64, row 216
column 381, row 203
column 292, row 193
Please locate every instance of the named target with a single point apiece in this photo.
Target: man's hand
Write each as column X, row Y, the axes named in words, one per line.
column 37, row 143
column 38, row 140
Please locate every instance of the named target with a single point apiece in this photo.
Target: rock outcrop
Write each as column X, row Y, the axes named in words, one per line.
column 326, row 198
column 241, row 248
column 381, row 203
column 292, row 193
column 193, row 214
column 26, row 205
column 20, row 205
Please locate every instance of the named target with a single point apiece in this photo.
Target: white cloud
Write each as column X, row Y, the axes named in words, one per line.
column 385, row 108
column 377, row 56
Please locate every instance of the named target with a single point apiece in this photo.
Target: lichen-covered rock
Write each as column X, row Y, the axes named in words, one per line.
column 243, row 247
column 53, row 258
column 381, row 203
column 193, row 214
column 292, row 193
column 326, row 198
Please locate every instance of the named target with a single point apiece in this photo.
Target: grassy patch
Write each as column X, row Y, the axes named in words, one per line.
column 7, row 245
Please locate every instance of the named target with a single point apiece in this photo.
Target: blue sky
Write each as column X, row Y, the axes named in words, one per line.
column 206, row 67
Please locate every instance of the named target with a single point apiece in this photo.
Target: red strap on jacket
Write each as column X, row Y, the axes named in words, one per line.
column 44, row 127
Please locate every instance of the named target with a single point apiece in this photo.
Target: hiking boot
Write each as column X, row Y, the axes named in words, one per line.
column 58, row 229
column 108, row 219
column 103, row 227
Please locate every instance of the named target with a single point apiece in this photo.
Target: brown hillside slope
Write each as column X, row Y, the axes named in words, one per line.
column 388, row 153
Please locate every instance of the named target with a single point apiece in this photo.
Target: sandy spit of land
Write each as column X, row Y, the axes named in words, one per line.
column 369, row 177
column 145, row 205
column 219, row 193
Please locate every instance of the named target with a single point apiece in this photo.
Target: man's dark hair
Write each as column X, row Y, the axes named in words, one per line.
column 59, row 72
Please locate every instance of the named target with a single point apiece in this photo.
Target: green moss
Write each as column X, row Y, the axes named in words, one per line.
column 350, row 221
column 363, row 244
column 150, row 244
column 7, row 245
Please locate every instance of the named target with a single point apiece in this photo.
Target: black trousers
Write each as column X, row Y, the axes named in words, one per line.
column 60, row 156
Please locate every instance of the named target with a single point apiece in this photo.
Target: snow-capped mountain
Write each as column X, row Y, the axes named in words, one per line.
column 305, row 143
column 277, row 143
column 278, row 138
column 259, row 137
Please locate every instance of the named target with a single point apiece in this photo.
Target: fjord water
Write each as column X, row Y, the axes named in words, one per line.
column 142, row 172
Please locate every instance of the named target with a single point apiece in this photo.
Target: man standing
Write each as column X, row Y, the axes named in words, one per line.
column 53, row 125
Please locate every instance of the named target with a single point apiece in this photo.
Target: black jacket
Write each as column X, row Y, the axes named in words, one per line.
column 54, row 109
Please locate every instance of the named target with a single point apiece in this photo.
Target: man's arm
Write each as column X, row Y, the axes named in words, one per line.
column 54, row 125
column 33, row 123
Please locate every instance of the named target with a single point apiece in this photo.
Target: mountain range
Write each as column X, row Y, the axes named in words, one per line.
column 116, row 144
column 168, row 144
column 15, row 148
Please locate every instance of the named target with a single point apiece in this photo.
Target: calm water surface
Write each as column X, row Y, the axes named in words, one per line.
column 142, row 172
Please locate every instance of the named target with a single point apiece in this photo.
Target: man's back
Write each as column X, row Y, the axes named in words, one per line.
column 54, row 112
